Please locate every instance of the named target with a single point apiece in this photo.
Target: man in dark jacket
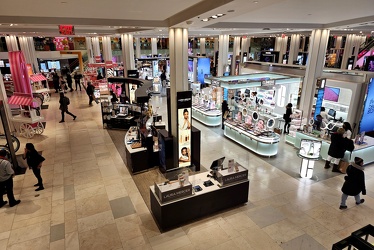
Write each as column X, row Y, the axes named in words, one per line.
column 56, row 83
column 64, row 103
column 354, row 183
column 90, row 92
column 337, row 148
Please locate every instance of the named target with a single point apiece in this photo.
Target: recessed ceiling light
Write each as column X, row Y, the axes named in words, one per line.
column 159, row 30
column 231, row 11
column 214, row 16
column 360, row 31
column 220, row 15
column 255, row 1
column 11, row 24
column 205, row 20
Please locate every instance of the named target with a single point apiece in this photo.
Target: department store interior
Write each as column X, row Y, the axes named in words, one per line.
column 210, row 124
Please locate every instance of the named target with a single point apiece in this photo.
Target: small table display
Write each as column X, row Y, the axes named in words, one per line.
column 309, row 153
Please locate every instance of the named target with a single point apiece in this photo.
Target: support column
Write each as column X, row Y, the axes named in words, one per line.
column 314, row 67
column 107, row 48
column 127, row 41
column 178, row 49
column 235, row 53
column 246, row 43
column 202, row 46
column 11, row 43
column 223, row 54
column 348, row 49
column 96, row 47
column 154, row 46
column 90, row 53
column 28, row 49
column 281, row 46
column 137, row 46
column 357, row 43
column 338, row 42
column 294, row 48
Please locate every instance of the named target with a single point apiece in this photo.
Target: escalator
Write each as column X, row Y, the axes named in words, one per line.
column 365, row 48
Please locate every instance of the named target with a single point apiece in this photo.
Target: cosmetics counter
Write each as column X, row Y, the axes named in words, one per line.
column 207, row 116
column 142, row 151
column 119, row 115
column 364, row 149
column 206, row 106
column 256, row 138
column 175, row 203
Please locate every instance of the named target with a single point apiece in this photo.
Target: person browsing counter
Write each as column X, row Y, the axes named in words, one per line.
column 6, row 181
column 348, row 130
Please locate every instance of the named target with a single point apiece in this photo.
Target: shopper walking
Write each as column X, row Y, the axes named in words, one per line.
column 90, row 92
column 56, row 82
column 35, row 161
column 6, row 181
column 354, row 183
column 64, row 103
column 69, row 81
column 77, row 80
column 337, row 148
column 287, row 118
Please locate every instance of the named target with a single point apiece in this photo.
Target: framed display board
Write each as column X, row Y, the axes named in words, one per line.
column 184, row 103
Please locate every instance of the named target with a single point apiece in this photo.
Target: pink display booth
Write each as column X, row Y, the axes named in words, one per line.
column 27, row 122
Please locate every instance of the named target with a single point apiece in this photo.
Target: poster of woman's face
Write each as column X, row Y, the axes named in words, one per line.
column 184, row 136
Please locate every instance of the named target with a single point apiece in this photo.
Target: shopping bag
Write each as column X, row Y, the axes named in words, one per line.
column 343, row 165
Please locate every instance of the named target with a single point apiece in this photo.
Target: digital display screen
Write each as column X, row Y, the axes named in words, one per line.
column 203, row 68
column 366, row 123
column 331, row 94
column 53, row 65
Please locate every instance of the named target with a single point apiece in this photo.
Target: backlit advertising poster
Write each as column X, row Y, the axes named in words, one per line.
column 184, row 102
column 367, row 119
column 203, row 68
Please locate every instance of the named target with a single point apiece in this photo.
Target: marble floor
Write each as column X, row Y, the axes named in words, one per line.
column 90, row 200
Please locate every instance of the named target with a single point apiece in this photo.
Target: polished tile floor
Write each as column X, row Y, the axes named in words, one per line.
column 90, row 200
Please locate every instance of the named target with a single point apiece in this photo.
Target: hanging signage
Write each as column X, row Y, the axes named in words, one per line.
column 97, row 59
column 66, row 30
column 184, row 103
column 268, row 82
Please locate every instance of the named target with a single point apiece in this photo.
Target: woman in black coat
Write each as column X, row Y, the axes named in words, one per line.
column 337, row 148
column 56, row 83
column 354, row 183
column 287, row 118
column 225, row 107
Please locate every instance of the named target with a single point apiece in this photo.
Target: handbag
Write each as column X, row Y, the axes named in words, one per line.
column 225, row 114
column 284, row 116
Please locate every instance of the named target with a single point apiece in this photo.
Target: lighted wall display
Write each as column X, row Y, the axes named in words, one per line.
column 367, row 119
column 203, row 68
column 184, row 103
column 331, row 94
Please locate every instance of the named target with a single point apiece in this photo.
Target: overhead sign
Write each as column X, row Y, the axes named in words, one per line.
column 66, row 29
column 268, row 82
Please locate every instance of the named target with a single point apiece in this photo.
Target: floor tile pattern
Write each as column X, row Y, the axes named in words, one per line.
column 91, row 201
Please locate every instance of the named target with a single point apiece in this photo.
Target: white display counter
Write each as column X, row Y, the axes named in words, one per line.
column 208, row 117
column 265, row 145
column 364, row 151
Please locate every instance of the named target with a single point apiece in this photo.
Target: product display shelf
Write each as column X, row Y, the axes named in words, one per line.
column 136, row 158
column 265, row 145
column 208, row 200
column 206, row 116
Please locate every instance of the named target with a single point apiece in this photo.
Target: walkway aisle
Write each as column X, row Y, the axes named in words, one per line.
column 91, row 202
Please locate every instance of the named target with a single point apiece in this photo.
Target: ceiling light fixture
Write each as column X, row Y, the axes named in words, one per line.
column 219, row 15
column 11, row 24
column 255, row 2
column 205, row 19
column 231, row 11
column 214, row 16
